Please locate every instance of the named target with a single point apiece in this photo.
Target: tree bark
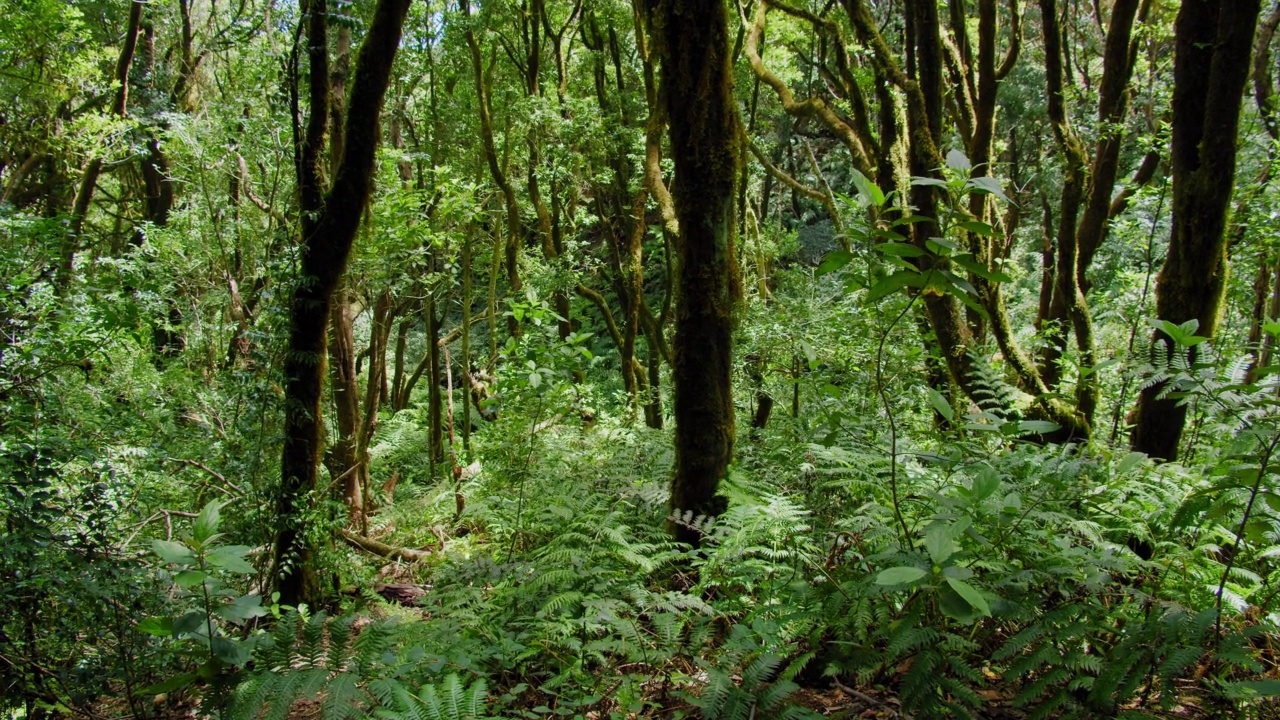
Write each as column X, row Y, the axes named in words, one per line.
column 697, row 87
column 328, row 228
column 1212, row 44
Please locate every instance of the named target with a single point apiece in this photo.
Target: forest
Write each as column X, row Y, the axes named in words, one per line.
column 621, row 359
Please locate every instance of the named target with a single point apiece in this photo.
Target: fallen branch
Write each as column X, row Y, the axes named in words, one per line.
column 375, row 547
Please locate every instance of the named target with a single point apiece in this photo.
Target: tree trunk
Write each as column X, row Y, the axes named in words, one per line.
column 328, row 228
column 1212, row 43
column 697, row 80
column 342, row 458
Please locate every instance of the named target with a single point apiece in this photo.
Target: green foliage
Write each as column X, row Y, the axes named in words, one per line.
column 203, row 563
column 350, row 671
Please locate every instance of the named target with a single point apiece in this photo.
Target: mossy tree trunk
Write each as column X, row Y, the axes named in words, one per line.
column 697, row 88
column 1212, row 47
column 328, row 227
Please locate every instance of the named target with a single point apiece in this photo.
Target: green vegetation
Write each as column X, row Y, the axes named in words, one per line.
column 586, row 359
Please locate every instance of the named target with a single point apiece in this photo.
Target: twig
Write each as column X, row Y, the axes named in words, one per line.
column 214, row 473
column 854, row 693
column 168, row 524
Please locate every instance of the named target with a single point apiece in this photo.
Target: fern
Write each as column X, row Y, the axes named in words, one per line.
column 316, row 658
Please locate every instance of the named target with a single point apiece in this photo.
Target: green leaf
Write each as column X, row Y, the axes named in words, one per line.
column 173, row 683
column 206, row 524
column 1129, row 462
column 1183, row 334
column 1038, row 427
column 928, row 182
column 979, row 228
column 970, row 595
column 158, row 626
column 241, row 609
column 868, row 190
column 988, row 185
column 985, row 484
column 970, row 263
column 190, row 578
column 835, row 260
column 1272, row 500
column 1254, row 688
column 173, row 552
column 899, row 575
column 189, row 623
column 941, row 405
column 229, row 651
column 231, row 558
column 910, row 220
column 958, row 161
column 935, row 243
column 535, row 379
column 898, row 249
column 895, row 282
column 940, row 542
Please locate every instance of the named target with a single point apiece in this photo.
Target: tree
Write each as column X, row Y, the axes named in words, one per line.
column 697, row 87
column 1213, row 40
column 328, row 227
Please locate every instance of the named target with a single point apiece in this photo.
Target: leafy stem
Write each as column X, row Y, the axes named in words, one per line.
column 893, row 425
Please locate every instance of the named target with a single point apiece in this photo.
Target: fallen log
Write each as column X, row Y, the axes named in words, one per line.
column 391, row 552
column 401, row 593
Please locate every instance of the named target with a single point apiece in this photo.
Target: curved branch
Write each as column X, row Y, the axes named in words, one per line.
column 812, row 107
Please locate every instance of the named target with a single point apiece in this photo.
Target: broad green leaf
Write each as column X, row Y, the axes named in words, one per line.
column 895, row 282
column 954, row 606
column 928, row 182
column 173, row 552
column 229, row 651
column 1038, row 427
column 970, row 595
column 231, row 558
column 934, row 245
column 899, row 575
column 1129, row 462
column 970, row 263
column 957, row 160
column 190, row 578
column 535, row 379
column 158, row 626
column 190, row 623
column 989, row 185
column 1272, row 500
column 834, row 260
column 241, row 609
column 898, row 249
column 206, row 523
column 941, row 405
column 959, row 572
column 985, row 484
column 910, row 220
column 867, row 189
column 979, row 228
column 940, row 541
